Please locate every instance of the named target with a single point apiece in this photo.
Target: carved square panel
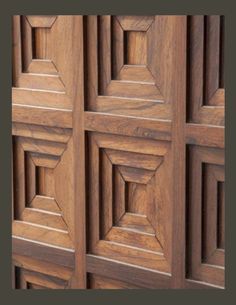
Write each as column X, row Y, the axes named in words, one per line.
column 129, row 65
column 42, row 63
column 41, row 211
column 206, row 69
column 206, row 216
column 128, row 211
column 37, row 53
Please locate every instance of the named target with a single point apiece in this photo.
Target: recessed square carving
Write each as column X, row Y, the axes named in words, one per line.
column 37, row 58
column 135, row 48
column 40, row 212
column 212, row 213
column 40, row 43
column 205, row 233
column 35, row 43
column 136, row 193
column 44, row 181
column 40, row 71
column 129, row 201
column 206, row 93
column 128, row 72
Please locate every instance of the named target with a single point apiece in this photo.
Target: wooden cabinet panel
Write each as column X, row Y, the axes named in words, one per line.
column 206, row 69
column 206, row 215
column 128, row 70
column 128, row 215
column 118, row 152
column 45, row 50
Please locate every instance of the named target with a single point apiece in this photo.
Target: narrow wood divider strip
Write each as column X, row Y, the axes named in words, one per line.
column 142, row 277
column 129, row 126
column 205, row 135
column 42, row 116
column 61, row 256
column 192, row 284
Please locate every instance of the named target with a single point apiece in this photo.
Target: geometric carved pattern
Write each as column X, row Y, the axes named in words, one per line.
column 36, row 62
column 206, row 215
column 206, row 69
column 213, row 222
column 127, row 221
column 40, row 212
column 205, row 255
column 124, row 75
column 118, row 82
column 44, row 87
column 41, row 70
column 134, row 34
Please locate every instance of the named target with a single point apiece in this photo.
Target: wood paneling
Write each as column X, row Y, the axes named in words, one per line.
column 206, row 70
column 128, row 71
column 118, row 152
column 45, row 57
column 206, row 220
column 128, row 187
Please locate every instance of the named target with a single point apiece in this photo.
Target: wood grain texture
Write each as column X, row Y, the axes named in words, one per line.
column 41, row 21
column 142, row 277
column 205, row 93
column 136, row 80
column 122, row 125
column 205, row 259
column 141, row 197
column 179, row 118
column 102, row 282
column 43, row 252
column 136, row 52
column 118, row 152
column 79, row 196
column 43, row 95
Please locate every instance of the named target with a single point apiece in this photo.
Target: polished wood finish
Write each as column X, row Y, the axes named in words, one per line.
column 46, row 52
column 118, row 152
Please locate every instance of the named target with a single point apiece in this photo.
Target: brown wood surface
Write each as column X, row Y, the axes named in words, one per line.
column 118, row 152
